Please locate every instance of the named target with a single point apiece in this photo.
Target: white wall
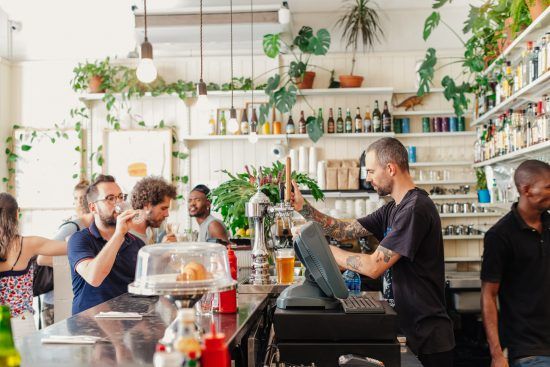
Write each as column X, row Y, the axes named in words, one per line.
column 5, row 110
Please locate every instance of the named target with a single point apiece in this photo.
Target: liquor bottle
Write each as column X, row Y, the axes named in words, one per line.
column 9, row 356
column 212, row 124
column 277, row 125
column 376, row 119
column 349, row 123
column 302, row 124
column 245, row 127
column 363, row 183
column 320, row 120
column 339, row 122
column 223, row 124
column 534, row 72
column 254, row 121
column 330, row 122
column 358, row 122
column 367, row 122
column 386, row 119
column 290, row 128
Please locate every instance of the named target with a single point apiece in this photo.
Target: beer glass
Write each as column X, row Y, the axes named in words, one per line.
column 284, row 261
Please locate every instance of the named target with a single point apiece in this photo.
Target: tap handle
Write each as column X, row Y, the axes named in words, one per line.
column 288, row 184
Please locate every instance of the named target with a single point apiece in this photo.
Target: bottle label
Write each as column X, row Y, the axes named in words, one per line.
column 363, row 173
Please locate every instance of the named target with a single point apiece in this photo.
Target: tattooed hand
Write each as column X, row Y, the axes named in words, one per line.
column 296, row 198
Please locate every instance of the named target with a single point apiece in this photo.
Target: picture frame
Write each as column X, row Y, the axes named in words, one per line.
column 227, row 111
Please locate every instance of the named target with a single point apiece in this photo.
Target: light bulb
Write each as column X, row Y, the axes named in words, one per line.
column 146, row 71
column 233, row 125
column 253, row 138
column 202, row 102
column 284, row 14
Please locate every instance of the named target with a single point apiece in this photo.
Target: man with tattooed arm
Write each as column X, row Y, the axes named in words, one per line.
column 409, row 256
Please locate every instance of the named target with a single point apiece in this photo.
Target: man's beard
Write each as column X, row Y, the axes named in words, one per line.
column 385, row 190
column 153, row 223
column 108, row 220
column 201, row 214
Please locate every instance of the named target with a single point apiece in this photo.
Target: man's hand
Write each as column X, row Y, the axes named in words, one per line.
column 170, row 237
column 123, row 221
column 499, row 361
column 296, row 198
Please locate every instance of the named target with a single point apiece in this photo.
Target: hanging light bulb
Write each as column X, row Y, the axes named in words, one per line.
column 233, row 124
column 201, row 86
column 284, row 13
column 146, row 71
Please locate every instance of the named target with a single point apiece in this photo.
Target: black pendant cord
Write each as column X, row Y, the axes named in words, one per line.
column 145, row 14
column 252, row 51
column 201, row 39
column 231, row 45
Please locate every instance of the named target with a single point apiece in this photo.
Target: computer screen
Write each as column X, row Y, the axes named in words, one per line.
column 324, row 282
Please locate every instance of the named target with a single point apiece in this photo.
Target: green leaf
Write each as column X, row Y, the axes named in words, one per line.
column 5, row 179
column 426, row 72
column 25, row 147
column 117, row 126
column 65, row 135
column 185, row 179
column 161, row 123
column 52, row 140
column 182, row 155
column 297, row 69
column 439, row 3
column 303, row 38
column 100, row 160
column 314, row 129
column 264, row 112
column 476, row 64
column 141, row 123
column 272, row 84
column 284, row 99
column 431, row 22
column 271, row 44
column 75, row 175
column 319, row 45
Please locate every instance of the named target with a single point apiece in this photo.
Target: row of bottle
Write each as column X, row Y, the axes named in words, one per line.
column 513, row 130
column 508, row 79
column 379, row 122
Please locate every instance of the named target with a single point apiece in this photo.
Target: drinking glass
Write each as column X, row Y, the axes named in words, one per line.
column 204, row 305
column 284, row 260
column 123, row 206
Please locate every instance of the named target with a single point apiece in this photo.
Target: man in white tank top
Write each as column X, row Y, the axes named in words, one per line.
column 210, row 228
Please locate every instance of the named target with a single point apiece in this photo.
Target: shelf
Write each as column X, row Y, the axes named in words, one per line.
column 529, row 92
column 312, row 92
column 517, row 155
column 464, row 237
column 446, row 182
column 233, row 137
column 414, row 91
column 534, row 31
column 345, row 136
column 427, row 113
column 436, row 135
column 343, row 194
column 436, row 164
column 451, row 197
column 463, row 259
column 470, row 215
column 289, row 136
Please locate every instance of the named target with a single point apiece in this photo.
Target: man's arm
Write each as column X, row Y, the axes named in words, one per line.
column 372, row 265
column 217, row 230
column 94, row 271
column 489, row 292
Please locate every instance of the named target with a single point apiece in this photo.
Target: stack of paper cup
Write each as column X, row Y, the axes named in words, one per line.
column 359, row 208
column 321, row 174
column 303, row 161
column 350, row 208
column 371, row 206
column 340, row 205
column 313, row 162
column 293, row 154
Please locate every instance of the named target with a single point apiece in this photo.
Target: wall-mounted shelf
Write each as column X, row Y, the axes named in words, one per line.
column 521, row 154
column 425, row 113
column 446, row 182
column 289, row 136
column 436, row 135
column 527, row 93
column 464, row 237
column 313, row 92
column 458, row 259
column 470, row 215
column 345, row 136
column 363, row 194
column 414, row 91
column 453, row 197
column 438, row 164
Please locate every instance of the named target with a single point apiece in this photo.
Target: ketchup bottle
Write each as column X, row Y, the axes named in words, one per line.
column 214, row 350
column 228, row 299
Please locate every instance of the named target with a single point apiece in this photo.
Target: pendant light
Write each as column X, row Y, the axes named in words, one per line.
column 201, row 86
column 146, row 71
column 233, row 124
column 284, row 13
column 253, row 136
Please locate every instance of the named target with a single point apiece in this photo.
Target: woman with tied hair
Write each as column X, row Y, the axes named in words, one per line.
column 16, row 269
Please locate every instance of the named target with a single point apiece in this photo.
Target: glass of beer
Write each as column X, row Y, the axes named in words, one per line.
column 284, row 260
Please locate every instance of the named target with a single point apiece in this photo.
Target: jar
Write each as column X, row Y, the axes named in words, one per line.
column 425, row 124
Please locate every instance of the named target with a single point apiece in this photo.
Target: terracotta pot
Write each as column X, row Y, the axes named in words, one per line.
column 507, row 32
column 307, row 80
column 94, row 85
column 537, row 8
column 350, row 81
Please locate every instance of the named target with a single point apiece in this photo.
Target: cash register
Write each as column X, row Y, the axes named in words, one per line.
column 318, row 321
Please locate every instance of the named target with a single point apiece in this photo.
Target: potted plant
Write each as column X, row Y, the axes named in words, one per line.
column 537, row 7
column 520, row 16
column 482, row 191
column 230, row 197
column 359, row 21
column 93, row 77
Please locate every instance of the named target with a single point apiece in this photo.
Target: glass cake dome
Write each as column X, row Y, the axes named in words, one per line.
column 182, row 268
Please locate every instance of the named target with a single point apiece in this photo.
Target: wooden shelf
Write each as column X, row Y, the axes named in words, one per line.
column 312, row 92
column 463, row 259
column 345, row 136
column 452, row 197
column 343, row 194
column 436, row 135
column 233, row 137
column 464, row 237
column 470, row 215
column 527, row 93
column 289, row 136
column 531, row 33
column 446, row 182
column 414, row 91
column 517, row 155
column 437, row 164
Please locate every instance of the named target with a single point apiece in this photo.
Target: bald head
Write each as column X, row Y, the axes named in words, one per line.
column 530, row 172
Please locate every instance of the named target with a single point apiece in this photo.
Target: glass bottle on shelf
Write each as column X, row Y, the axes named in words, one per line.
column 376, row 119
column 358, row 121
column 212, row 124
column 321, row 120
column 386, row 119
column 367, row 122
column 223, row 124
column 245, row 127
column 330, row 123
column 290, row 128
column 302, row 124
column 339, row 122
column 348, row 122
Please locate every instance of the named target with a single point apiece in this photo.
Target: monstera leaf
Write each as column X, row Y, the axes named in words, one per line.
column 272, row 45
column 320, row 44
column 314, row 129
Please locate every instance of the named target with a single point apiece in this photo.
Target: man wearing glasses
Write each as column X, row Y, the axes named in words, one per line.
column 103, row 257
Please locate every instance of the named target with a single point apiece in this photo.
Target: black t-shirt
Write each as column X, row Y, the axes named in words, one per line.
column 413, row 230
column 518, row 257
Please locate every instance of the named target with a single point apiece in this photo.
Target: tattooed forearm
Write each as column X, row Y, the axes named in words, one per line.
column 354, row 262
column 384, row 254
column 334, row 228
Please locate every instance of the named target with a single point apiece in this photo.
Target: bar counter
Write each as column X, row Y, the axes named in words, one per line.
column 132, row 342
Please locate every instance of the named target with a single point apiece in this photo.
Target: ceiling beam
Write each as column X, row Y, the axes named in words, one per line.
column 174, row 20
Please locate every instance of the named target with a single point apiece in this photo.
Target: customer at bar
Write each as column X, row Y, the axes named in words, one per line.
column 103, row 257
column 409, row 256
column 210, row 228
column 82, row 219
column 516, row 268
column 16, row 267
column 152, row 195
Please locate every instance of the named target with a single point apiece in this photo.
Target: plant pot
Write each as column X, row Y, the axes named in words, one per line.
column 94, row 85
column 350, row 81
column 503, row 43
column 537, row 8
column 483, row 196
column 307, row 80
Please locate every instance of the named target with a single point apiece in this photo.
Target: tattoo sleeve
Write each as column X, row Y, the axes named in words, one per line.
column 383, row 254
column 337, row 229
column 354, row 262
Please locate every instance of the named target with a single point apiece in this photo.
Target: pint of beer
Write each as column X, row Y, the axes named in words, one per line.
column 284, row 260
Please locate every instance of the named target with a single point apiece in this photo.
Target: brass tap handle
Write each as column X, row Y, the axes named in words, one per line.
column 288, row 184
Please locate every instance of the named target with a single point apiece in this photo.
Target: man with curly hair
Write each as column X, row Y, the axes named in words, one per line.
column 153, row 195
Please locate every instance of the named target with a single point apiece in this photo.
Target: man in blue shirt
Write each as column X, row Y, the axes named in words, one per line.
column 103, row 256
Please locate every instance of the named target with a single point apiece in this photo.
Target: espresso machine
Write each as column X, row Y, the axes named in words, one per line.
column 257, row 210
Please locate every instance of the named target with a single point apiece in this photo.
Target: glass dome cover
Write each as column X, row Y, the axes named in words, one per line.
column 182, row 268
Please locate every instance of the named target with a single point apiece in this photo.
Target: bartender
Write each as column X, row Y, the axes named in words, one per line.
column 409, row 256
